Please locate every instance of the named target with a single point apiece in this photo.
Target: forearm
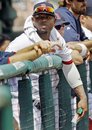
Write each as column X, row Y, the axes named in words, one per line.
column 81, row 48
column 78, row 48
column 29, row 48
column 87, row 43
column 80, row 92
column 31, row 55
column 76, row 57
column 73, row 78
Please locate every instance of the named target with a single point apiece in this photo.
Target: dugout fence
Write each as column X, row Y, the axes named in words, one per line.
column 56, row 110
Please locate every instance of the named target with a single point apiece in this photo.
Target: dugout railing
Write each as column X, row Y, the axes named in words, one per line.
column 49, row 114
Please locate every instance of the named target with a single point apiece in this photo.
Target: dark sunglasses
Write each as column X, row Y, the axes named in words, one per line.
column 58, row 27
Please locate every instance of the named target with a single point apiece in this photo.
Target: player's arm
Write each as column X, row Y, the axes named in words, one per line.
column 30, row 55
column 34, row 51
column 73, row 77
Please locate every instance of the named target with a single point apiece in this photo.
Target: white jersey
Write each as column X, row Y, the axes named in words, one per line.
column 30, row 37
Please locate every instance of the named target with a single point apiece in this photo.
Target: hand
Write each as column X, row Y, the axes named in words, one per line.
column 43, row 46
column 82, row 104
column 56, row 46
column 71, row 45
column 89, row 56
column 47, row 46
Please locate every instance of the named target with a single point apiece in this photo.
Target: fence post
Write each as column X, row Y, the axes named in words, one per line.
column 90, row 69
column 25, row 102
column 47, row 105
column 84, row 123
column 65, row 113
column 6, row 112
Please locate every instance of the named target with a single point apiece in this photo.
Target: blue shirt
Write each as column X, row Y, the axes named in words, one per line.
column 4, row 57
column 73, row 31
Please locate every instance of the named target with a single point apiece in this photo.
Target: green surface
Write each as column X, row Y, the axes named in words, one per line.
column 25, row 102
column 47, row 105
column 65, row 113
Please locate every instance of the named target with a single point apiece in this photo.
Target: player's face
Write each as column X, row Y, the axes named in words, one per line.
column 44, row 23
column 61, row 29
column 78, row 6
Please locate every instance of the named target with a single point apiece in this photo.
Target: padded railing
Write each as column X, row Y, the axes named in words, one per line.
column 42, row 64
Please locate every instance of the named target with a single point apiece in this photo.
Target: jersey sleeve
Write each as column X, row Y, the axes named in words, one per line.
column 19, row 43
column 4, row 57
column 65, row 53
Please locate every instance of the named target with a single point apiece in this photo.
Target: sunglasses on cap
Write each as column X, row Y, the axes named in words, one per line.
column 44, row 8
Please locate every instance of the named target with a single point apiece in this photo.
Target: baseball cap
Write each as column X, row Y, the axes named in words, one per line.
column 89, row 11
column 39, row 1
column 89, row 8
column 43, row 8
column 60, row 20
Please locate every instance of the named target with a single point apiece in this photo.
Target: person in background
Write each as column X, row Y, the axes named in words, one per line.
column 71, row 13
column 60, row 24
column 4, row 41
column 86, row 22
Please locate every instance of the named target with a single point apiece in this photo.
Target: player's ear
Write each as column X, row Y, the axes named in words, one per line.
column 55, row 20
column 33, row 18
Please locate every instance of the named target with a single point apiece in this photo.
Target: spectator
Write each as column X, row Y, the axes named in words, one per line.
column 4, row 41
column 86, row 22
column 60, row 24
column 71, row 14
